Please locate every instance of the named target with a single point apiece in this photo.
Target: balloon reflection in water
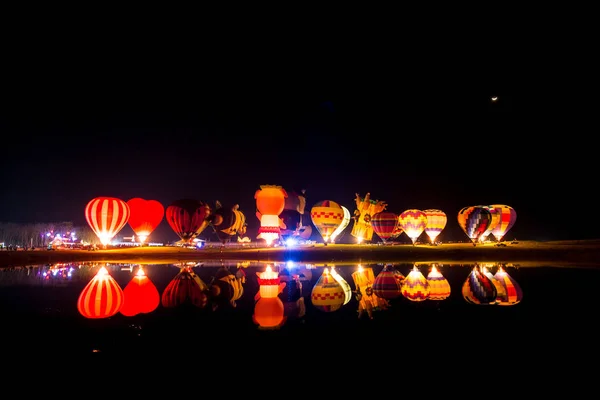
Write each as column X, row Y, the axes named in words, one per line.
column 368, row 301
column 500, row 289
column 291, row 295
column 439, row 287
column 327, row 294
column 478, row 288
column 102, row 297
column 140, row 296
column 268, row 309
column 340, row 279
column 387, row 284
column 513, row 293
column 415, row 287
column 184, row 289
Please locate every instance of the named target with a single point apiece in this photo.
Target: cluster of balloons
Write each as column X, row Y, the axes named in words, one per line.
column 187, row 217
column 478, row 222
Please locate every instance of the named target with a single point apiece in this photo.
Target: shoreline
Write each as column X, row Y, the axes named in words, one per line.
column 582, row 253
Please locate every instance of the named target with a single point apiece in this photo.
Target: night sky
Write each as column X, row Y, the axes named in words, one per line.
column 413, row 138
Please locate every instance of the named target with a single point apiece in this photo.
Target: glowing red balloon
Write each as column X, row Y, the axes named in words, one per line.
column 145, row 216
column 102, row 297
column 140, row 296
column 106, row 216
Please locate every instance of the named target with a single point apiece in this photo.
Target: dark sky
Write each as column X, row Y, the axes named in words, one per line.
column 414, row 137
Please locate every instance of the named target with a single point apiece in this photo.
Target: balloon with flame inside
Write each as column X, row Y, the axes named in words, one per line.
column 340, row 279
column 500, row 289
column 413, row 222
column 327, row 216
column 512, row 294
column 145, row 216
column 102, row 297
column 365, row 209
column 508, row 217
column 270, row 202
column 439, row 287
column 474, row 221
column 368, row 301
column 140, row 296
column 327, row 294
column 106, row 216
column 478, row 288
column 268, row 307
column 436, row 222
column 494, row 220
column 416, row 287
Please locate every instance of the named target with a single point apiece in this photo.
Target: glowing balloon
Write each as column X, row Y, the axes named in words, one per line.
column 327, row 216
column 365, row 209
column 384, row 224
column 436, row 222
column 512, row 290
column 478, row 288
column 269, row 309
column 415, row 286
column 270, row 202
column 140, row 296
column 340, row 279
column 102, row 297
column 439, row 287
column 145, row 216
column 474, row 221
column 106, row 216
column 343, row 225
column 188, row 218
column 368, row 301
column 508, row 217
column 413, row 223
column 327, row 295
column 495, row 219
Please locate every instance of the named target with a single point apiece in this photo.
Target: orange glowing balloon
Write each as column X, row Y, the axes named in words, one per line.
column 268, row 313
column 140, row 295
column 102, row 297
column 270, row 199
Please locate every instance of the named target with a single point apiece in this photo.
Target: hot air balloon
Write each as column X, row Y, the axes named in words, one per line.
column 327, row 216
column 387, row 285
column 413, row 223
column 474, row 221
column 342, row 226
column 106, row 216
column 478, row 288
column 340, row 279
column 500, row 289
column 495, row 214
column 365, row 209
column 368, row 301
column 508, row 217
column 384, row 224
column 228, row 222
column 327, row 295
column 436, row 222
column 140, row 296
column 439, row 287
column 270, row 201
column 102, row 297
column 145, row 216
column 269, row 309
column 415, row 286
column 294, row 217
column 188, row 218
column 183, row 290
column 512, row 290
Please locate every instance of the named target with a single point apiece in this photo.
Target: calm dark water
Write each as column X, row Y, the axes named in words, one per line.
column 39, row 312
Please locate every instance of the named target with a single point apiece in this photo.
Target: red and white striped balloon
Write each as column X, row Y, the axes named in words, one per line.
column 102, row 297
column 106, row 216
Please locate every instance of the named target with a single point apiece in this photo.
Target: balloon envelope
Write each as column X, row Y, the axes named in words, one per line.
column 188, row 218
column 145, row 216
column 106, row 216
column 384, row 224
